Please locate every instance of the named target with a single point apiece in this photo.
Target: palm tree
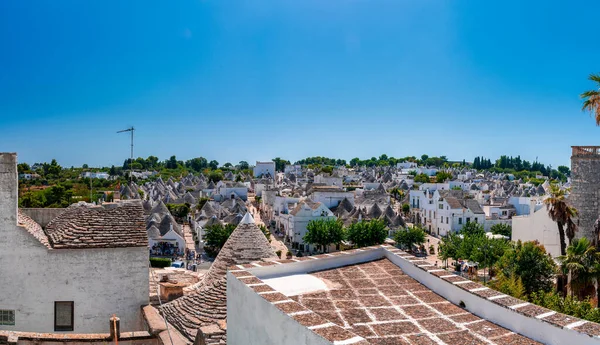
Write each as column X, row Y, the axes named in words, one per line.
column 562, row 214
column 591, row 99
column 579, row 263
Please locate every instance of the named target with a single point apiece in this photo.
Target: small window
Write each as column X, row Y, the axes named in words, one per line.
column 441, row 207
column 475, row 220
column 63, row 316
column 447, row 220
column 7, row 317
column 459, row 220
column 468, row 220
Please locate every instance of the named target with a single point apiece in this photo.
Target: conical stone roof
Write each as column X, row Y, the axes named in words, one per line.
column 247, row 243
column 207, row 305
column 160, row 208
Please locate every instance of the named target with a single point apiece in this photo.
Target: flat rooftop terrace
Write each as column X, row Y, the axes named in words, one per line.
column 382, row 295
column 379, row 302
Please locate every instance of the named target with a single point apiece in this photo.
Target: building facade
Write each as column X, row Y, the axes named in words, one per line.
column 60, row 280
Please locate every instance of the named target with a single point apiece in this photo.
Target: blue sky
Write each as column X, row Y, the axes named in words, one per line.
column 253, row 80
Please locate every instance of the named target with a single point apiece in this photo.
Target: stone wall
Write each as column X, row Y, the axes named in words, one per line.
column 585, row 192
column 100, row 282
column 42, row 216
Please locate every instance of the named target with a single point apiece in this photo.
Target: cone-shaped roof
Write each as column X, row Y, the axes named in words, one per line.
column 247, row 243
column 160, row 208
column 153, row 232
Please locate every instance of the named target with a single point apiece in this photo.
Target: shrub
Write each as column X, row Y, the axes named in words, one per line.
column 160, row 262
column 278, row 253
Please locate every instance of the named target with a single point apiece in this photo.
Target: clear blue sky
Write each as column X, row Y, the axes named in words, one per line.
column 252, row 80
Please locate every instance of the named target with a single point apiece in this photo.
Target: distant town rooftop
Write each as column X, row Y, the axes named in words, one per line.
column 382, row 295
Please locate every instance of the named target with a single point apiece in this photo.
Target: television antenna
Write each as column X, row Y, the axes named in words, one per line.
column 131, row 129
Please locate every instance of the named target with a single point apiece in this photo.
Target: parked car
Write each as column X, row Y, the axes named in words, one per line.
column 178, row 264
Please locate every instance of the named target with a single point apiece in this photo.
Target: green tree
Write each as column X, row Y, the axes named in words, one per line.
column 280, row 163
column 564, row 170
column 367, row 233
column 112, row 171
column 323, row 232
column 442, row 176
column 472, row 228
column 23, row 168
column 579, row 262
column 243, row 165
column 215, row 176
column 52, row 169
column 214, row 165
column 502, row 229
column 201, row 202
column 197, row 164
column 409, row 237
column 511, row 285
column 562, row 214
column 529, row 262
column 406, row 209
column 422, row 178
column 424, row 157
column 591, row 99
column 215, row 237
column 179, row 211
column 265, row 232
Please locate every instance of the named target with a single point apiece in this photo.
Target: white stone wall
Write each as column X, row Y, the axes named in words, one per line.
column 273, row 327
column 100, row 282
column 537, row 227
column 262, row 168
column 531, row 327
column 332, row 199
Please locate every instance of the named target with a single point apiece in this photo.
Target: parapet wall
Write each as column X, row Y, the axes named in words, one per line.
column 9, row 185
column 42, row 216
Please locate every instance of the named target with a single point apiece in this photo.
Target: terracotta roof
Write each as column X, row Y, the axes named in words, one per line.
column 33, row 228
column 313, row 205
column 378, row 303
column 83, row 226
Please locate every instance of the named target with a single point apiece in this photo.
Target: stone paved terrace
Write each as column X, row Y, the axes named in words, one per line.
column 379, row 302
column 381, row 295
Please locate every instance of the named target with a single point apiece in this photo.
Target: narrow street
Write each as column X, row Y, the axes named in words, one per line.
column 276, row 243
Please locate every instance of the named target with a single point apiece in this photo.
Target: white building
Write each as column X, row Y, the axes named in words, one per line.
column 329, row 180
column 537, row 226
column 406, row 165
column 230, row 190
column 330, row 196
column 440, row 215
column 296, row 221
column 98, row 175
column 88, row 264
column 264, row 169
column 295, row 169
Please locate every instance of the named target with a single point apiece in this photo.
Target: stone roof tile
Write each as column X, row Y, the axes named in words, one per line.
column 82, row 226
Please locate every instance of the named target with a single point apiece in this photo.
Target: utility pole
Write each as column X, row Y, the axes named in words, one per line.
column 131, row 161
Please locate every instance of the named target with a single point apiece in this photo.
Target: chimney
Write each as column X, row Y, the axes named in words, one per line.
column 9, row 186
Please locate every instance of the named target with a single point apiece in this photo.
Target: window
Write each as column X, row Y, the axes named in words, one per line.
column 468, row 220
column 7, row 317
column 441, row 206
column 63, row 316
column 446, row 220
column 475, row 220
column 460, row 220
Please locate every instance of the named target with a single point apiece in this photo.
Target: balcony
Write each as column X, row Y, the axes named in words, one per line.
column 586, row 150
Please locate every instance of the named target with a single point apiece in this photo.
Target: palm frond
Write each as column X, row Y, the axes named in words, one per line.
column 594, row 77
